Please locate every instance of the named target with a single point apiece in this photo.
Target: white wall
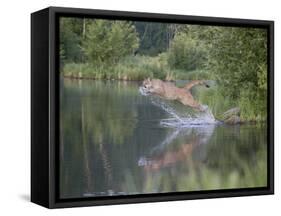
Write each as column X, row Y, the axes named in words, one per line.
column 15, row 106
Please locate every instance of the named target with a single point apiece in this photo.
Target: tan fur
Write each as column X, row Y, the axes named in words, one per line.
column 169, row 91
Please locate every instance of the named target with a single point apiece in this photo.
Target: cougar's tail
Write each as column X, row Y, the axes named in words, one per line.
column 189, row 85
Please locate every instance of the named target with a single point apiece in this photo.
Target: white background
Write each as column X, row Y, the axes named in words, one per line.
column 15, row 106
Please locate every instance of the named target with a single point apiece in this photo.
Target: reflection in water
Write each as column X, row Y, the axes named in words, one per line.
column 112, row 143
column 161, row 156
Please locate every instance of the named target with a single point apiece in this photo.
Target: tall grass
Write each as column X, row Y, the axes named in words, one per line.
column 218, row 102
column 215, row 99
column 132, row 68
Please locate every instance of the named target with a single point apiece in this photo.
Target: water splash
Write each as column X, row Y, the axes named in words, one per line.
column 143, row 91
column 199, row 120
column 167, row 109
column 187, row 118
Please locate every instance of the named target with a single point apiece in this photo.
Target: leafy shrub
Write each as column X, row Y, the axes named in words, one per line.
column 185, row 53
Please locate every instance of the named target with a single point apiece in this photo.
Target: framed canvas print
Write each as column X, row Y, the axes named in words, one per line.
column 139, row 107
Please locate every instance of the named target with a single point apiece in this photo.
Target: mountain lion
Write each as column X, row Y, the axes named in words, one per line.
column 169, row 91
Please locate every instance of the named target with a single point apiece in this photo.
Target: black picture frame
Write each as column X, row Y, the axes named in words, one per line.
column 45, row 107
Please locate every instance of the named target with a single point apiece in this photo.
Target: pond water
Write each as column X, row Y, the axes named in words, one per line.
column 112, row 143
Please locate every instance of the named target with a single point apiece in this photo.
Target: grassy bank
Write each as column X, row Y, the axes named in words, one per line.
column 250, row 110
column 132, row 68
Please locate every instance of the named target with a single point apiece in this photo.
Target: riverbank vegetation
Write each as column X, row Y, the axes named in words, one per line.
column 234, row 57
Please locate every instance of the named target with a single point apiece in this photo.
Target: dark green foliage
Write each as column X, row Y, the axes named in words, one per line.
column 236, row 58
column 154, row 37
column 70, row 40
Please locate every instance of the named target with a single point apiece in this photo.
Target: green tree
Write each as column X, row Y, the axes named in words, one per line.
column 238, row 60
column 186, row 53
column 106, row 42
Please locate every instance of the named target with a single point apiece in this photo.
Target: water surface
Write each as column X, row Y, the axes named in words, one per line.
column 113, row 143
